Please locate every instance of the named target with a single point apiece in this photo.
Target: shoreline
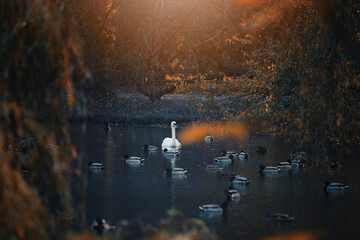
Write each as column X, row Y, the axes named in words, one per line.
column 135, row 109
column 132, row 109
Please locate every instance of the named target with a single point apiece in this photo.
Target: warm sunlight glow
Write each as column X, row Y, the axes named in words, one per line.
column 295, row 236
column 268, row 14
column 247, row 2
column 219, row 130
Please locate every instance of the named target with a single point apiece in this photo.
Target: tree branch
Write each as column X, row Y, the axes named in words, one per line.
column 106, row 17
column 197, row 45
column 148, row 60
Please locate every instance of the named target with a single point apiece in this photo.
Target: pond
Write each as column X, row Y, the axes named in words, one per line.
column 142, row 191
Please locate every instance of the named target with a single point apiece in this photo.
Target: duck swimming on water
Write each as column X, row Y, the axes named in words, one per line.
column 232, row 195
column 132, row 159
column 243, row 155
column 336, row 188
column 240, row 180
column 168, row 152
column 100, row 226
column 209, row 139
column 267, row 170
column 149, row 148
column 222, row 159
column 95, row 165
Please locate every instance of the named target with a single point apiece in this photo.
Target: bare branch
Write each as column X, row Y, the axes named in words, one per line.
column 181, row 25
column 105, row 19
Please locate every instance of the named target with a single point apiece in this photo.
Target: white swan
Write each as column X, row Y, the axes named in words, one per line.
column 171, row 142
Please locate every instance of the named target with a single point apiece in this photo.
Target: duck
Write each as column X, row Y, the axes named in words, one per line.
column 284, row 166
column 329, row 187
column 267, row 170
column 240, row 180
column 149, row 148
column 232, row 195
column 243, row 155
column 297, row 162
column 228, row 153
column 209, row 138
column 279, row 217
column 132, row 159
column 171, row 142
column 211, row 208
column 224, row 159
column 96, row 165
column 100, row 226
column 107, row 127
column 169, row 152
column 175, row 172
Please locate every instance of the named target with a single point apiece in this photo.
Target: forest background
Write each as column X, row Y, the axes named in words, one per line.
column 291, row 65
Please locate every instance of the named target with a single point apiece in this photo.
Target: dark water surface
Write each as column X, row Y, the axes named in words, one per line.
column 127, row 192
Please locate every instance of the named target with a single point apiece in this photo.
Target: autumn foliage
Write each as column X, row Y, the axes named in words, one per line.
column 291, row 64
column 38, row 56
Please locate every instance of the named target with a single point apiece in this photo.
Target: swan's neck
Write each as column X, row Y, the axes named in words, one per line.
column 173, row 134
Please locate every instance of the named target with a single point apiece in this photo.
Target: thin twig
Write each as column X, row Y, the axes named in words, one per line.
column 181, row 25
column 197, row 45
column 106, row 17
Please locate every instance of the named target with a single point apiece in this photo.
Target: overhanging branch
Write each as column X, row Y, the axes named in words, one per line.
column 181, row 25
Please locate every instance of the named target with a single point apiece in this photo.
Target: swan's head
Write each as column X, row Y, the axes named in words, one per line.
column 173, row 124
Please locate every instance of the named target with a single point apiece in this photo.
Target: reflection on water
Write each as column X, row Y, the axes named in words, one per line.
column 211, row 217
column 122, row 192
column 96, row 170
